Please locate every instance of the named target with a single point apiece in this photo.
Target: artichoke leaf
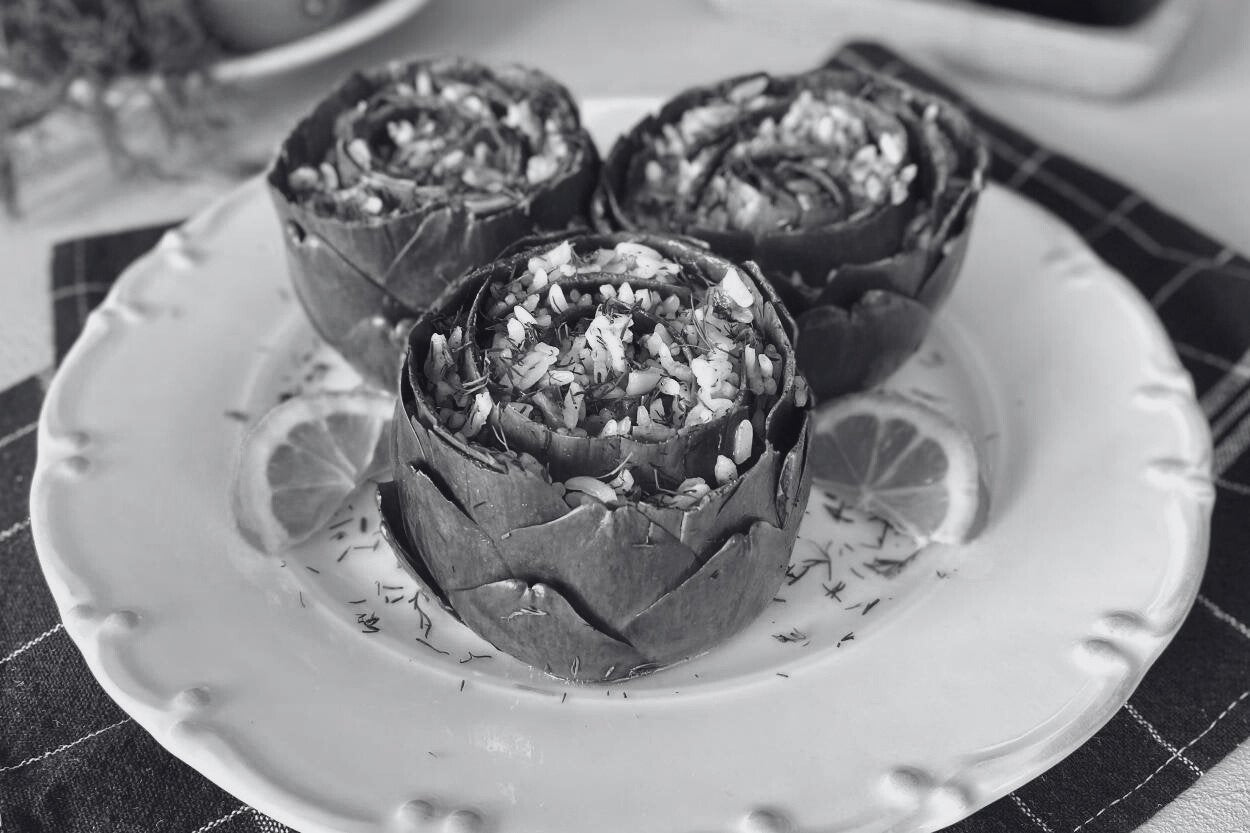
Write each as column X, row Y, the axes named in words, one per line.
column 609, row 563
column 723, row 597
column 840, row 351
column 495, row 499
column 794, row 485
column 726, row 510
column 537, row 625
column 934, row 291
column 901, row 273
column 435, row 525
column 690, row 453
column 391, row 522
column 362, row 319
column 873, row 237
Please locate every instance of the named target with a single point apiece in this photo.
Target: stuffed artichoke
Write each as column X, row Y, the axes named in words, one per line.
column 600, row 452
column 852, row 191
column 405, row 177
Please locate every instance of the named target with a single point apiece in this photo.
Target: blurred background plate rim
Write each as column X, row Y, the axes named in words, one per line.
column 366, row 24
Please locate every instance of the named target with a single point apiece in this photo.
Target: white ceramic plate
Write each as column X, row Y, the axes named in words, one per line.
column 378, row 17
column 884, row 693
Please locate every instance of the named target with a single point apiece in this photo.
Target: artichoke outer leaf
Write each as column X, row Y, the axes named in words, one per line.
column 807, row 251
column 456, row 552
column 345, row 307
column 841, row 352
column 902, row 273
column 941, row 280
column 724, row 596
column 727, row 509
column 496, row 498
column 392, row 525
column 609, row 563
column 794, row 484
column 537, row 625
column 686, row 454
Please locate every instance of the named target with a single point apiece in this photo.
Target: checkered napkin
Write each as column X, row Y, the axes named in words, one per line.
column 72, row 762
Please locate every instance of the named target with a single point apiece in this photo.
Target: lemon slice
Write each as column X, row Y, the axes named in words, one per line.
column 302, row 460
column 902, row 461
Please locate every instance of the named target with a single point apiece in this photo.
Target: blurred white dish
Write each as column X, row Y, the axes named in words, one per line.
column 366, row 24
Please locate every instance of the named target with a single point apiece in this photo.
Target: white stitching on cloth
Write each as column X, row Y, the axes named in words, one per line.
column 1236, row 376
column 1177, row 281
column 1163, row 765
column 21, row 649
column 1225, row 617
column 52, row 752
column 14, row 436
column 1115, row 218
column 1028, row 168
column 238, row 811
column 1154, row 733
column 75, row 289
column 1055, row 183
column 1143, row 240
column 13, row 530
column 1235, row 442
column 1232, row 414
column 1232, row 486
column 266, row 824
column 1033, row 817
column 1241, row 367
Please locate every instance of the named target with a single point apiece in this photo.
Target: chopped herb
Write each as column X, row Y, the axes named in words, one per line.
column 432, row 648
column 237, row 416
column 312, row 569
column 340, row 523
column 425, row 623
column 832, row 590
column 889, row 567
column 795, row 635
column 837, row 512
column 795, row 574
column 870, row 606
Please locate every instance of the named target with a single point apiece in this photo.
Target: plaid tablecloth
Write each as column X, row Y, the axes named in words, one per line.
column 72, row 762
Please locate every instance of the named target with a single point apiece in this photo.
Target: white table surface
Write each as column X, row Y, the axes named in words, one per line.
column 1184, row 144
